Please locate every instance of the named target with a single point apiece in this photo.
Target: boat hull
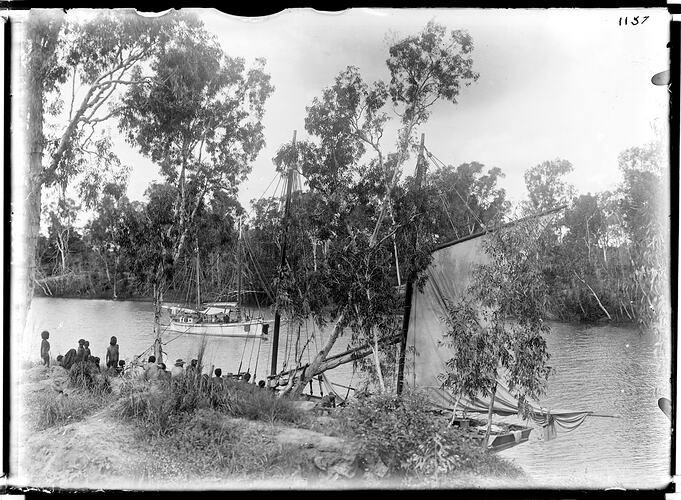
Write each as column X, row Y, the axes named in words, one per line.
column 242, row 329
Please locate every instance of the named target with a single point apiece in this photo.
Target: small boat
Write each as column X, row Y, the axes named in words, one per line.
column 222, row 319
column 501, row 437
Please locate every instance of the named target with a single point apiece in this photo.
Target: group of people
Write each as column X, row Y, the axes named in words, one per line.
column 151, row 370
column 82, row 354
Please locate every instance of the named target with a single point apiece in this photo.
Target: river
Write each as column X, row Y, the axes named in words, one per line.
column 609, row 370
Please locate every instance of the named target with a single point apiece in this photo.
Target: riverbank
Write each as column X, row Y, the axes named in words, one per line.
column 133, row 434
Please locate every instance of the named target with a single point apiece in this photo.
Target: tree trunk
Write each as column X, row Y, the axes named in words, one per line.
column 158, row 296
column 596, row 296
column 485, row 442
column 41, row 45
column 342, row 358
column 297, row 388
column 115, row 276
column 458, row 398
column 377, row 362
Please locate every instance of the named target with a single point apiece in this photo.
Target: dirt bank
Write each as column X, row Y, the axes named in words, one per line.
column 97, row 449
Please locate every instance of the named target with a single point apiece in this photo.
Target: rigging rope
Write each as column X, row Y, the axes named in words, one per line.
column 257, row 358
column 251, row 356
column 276, row 175
column 434, row 158
column 243, row 352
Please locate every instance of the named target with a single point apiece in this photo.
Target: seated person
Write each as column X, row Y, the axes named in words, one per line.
column 151, row 370
column 162, row 373
column 217, row 379
column 178, row 369
column 69, row 359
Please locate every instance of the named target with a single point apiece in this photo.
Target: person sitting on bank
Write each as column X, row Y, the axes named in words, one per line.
column 217, row 379
column 162, row 373
column 178, row 369
column 96, row 361
column 246, row 377
column 261, row 384
column 193, row 368
column 151, row 371
column 87, row 356
column 45, row 348
column 112, row 353
column 69, row 359
column 60, row 360
column 136, row 368
column 121, row 367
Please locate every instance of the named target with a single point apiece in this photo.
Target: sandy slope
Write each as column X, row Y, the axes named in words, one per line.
column 103, row 451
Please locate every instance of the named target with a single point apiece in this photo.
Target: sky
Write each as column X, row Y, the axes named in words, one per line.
column 554, row 83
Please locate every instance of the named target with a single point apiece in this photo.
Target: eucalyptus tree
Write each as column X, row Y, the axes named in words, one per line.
column 645, row 214
column 498, row 332
column 41, row 75
column 76, row 64
column 355, row 179
column 103, row 232
column 463, row 200
column 199, row 118
column 547, row 187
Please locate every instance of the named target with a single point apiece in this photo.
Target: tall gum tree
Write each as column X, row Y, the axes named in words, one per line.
column 75, row 67
column 348, row 121
column 199, row 118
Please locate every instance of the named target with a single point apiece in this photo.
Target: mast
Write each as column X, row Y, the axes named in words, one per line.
column 282, row 263
column 238, row 270
column 409, row 289
column 198, row 282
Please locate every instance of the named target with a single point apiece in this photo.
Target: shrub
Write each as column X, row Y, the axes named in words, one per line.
column 248, row 401
column 148, row 407
column 86, row 376
column 410, row 441
column 159, row 405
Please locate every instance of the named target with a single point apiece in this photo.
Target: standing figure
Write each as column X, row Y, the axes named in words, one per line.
column 112, row 353
column 86, row 347
column 81, row 350
column 45, row 348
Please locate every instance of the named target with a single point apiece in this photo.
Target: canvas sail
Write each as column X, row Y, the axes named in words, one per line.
column 449, row 276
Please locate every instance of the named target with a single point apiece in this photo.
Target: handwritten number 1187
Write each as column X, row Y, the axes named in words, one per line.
column 633, row 20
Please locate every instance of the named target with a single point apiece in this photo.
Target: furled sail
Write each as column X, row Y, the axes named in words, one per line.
column 449, row 276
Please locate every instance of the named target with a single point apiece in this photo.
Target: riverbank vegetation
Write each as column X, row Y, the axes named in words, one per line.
column 198, row 429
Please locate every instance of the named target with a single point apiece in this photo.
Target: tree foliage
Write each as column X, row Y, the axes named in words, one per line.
column 497, row 331
column 546, row 186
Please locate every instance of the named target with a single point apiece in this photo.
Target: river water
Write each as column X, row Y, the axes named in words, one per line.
column 606, row 369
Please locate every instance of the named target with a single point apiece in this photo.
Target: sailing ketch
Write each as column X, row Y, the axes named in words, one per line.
column 222, row 319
